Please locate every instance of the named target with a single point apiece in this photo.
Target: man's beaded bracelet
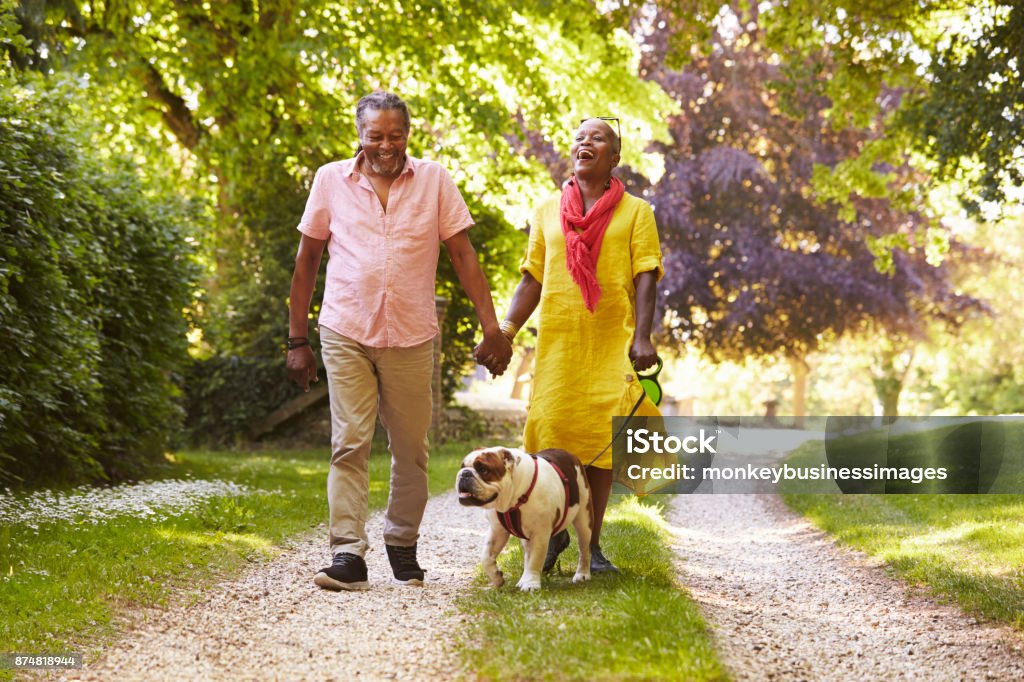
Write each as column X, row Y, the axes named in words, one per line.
column 297, row 342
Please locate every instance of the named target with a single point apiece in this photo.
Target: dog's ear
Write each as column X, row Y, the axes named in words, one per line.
column 508, row 458
column 467, row 461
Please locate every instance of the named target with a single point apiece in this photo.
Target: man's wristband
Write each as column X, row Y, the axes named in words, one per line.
column 509, row 329
column 297, row 342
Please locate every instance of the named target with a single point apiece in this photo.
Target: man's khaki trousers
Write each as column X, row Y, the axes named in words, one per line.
column 364, row 382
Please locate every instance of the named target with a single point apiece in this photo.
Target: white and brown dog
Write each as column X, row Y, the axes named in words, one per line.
column 529, row 496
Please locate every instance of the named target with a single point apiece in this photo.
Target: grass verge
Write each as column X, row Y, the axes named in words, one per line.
column 62, row 582
column 967, row 548
column 632, row 626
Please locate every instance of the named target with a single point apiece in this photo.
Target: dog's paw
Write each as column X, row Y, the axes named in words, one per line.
column 498, row 579
column 581, row 577
column 528, row 585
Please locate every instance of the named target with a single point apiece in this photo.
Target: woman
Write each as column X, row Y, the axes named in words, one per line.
column 592, row 264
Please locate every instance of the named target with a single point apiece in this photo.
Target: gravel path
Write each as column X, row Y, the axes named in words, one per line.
column 785, row 602
column 274, row 624
column 788, row 604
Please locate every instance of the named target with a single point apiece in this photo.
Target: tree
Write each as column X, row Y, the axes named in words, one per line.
column 248, row 99
column 756, row 264
column 955, row 66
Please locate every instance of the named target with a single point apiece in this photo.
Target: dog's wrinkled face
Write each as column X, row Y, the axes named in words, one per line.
column 484, row 472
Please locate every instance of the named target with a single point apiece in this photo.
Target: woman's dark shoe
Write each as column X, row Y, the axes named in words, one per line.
column 556, row 545
column 599, row 563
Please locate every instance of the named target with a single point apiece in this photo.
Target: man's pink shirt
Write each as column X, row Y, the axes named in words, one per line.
column 383, row 264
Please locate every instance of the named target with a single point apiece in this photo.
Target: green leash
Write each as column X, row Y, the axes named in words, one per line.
column 652, row 390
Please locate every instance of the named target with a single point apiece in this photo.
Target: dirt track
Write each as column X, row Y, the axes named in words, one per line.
column 785, row 603
column 788, row 604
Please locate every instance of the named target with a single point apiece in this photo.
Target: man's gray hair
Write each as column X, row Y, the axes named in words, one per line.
column 380, row 101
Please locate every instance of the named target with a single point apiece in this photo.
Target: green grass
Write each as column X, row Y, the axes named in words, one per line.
column 634, row 626
column 966, row 548
column 62, row 584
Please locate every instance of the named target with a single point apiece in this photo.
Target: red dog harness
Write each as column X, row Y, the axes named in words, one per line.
column 512, row 520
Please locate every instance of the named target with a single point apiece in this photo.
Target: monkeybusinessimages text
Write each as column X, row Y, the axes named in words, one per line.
column 643, row 441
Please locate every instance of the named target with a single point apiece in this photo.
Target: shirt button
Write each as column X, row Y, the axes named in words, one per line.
column 629, row 378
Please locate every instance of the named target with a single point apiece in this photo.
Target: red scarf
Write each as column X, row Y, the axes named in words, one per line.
column 583, row 248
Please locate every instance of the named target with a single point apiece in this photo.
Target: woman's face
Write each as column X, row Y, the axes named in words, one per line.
column 594, row 149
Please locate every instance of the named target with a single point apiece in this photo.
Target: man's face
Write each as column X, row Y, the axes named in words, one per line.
column 384, row 137
column 593, row 149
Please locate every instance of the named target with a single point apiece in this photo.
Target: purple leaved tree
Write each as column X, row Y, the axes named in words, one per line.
column 755, row 265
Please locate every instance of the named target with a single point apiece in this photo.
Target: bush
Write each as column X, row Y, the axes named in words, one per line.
column 95, row 276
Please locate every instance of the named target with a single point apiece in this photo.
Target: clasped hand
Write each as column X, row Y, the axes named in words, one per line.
column 494, row 353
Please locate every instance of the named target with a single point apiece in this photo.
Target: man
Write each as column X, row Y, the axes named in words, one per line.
column 381, row 215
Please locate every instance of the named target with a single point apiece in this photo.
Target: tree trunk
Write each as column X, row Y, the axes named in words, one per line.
column 891, row 371
column 799, row 369
column 525, row 365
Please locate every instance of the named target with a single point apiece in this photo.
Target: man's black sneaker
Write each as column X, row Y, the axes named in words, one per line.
column 556, row 545
column 404, row 565
column 599, row 563
column 346, row 572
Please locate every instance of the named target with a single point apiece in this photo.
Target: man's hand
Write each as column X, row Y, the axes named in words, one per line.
column 494, row 353
column 642, row 354
column 302, row 367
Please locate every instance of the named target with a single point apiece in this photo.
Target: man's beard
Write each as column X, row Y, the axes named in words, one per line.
column 387, row 167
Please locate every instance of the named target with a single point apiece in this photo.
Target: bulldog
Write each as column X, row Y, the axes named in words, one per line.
column 529, row 496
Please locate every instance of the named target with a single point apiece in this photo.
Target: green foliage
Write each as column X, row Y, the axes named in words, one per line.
column 253, row 101
column 982, row 372
column 226, row 394
column 499, row 247
column 241, row 375
column 971, row 119
column 94, row 278
column 950, row 68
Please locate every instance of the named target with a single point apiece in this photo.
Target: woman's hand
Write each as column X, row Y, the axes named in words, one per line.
column 642, row 354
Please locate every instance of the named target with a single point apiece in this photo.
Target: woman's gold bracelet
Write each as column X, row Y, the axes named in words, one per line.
column 508, row 329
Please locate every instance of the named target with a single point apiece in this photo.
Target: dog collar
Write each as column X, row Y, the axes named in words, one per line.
column 526, row 496
column 511, row 519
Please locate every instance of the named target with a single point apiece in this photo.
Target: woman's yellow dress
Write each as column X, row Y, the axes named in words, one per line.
column 583, row 376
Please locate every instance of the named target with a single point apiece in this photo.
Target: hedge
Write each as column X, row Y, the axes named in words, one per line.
column 95, row 279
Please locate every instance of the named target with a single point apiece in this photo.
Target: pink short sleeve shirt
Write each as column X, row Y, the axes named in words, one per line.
column 383, row 264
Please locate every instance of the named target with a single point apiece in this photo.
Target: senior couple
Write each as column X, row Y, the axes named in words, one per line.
column 591, row 264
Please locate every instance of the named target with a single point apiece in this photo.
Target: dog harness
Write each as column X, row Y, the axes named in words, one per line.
column 512, row 520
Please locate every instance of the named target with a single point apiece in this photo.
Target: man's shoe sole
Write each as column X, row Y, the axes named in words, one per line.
column 328, row 583
column 415, row 582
